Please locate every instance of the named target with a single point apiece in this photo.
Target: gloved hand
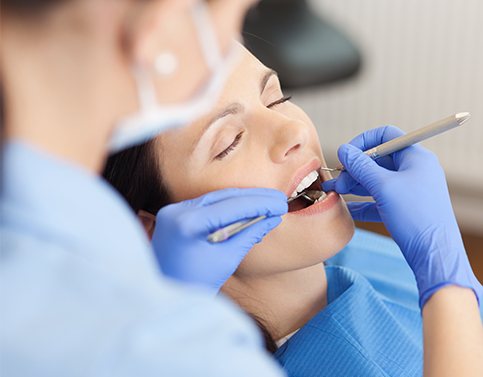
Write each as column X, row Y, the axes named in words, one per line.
column 179, row 238
column 412, row 199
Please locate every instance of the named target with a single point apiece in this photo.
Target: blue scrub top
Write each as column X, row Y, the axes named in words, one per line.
column 359, row 333
column 81, row 294
column 372, row 324
column 379, row 259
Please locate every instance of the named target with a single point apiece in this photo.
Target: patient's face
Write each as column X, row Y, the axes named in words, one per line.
column 254, row 138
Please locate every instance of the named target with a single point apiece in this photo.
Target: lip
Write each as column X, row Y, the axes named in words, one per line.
column 315, row 164
column 301, row 174
column 325, row 205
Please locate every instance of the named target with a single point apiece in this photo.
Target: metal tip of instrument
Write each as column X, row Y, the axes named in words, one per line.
column 295, row 197
column 330, row 169
column 308, row 198
column 309, row 195
column 462, row 117
column 313, row 195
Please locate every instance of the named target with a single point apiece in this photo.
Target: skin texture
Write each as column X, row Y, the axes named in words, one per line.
column 453, row 334
column 92, row 45
column 282, row 279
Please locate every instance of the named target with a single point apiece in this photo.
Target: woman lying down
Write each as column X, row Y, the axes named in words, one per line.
column 317, row 320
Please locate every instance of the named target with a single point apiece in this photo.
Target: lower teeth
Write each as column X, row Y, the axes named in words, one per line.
column 322, row 197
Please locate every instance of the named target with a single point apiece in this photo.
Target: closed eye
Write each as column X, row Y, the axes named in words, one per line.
column 232, row 146
column 238, row 137
column 279, row 101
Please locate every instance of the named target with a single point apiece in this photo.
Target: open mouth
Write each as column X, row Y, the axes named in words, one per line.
column 308, row 192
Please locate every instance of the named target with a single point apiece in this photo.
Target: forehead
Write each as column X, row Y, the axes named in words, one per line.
column 244, row 78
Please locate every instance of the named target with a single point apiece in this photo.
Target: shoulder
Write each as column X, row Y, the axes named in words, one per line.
column 77, row 320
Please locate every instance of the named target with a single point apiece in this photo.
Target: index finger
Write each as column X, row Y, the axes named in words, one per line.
column 376, row 136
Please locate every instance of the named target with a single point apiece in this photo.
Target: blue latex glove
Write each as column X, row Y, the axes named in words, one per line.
column 179, row 238
column 412, row 199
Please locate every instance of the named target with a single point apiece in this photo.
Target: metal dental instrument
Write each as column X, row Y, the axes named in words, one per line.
column 382, row 150
column 311, row 195
column 413, row 137
column 232, row 229
column 331, row 169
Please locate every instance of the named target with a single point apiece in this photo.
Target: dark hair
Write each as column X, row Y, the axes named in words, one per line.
column 135, row 173
column 29, row 7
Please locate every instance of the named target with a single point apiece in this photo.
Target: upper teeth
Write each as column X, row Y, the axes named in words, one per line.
column 306, row 182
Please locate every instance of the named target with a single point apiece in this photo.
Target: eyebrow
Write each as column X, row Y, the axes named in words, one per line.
column 232, row 109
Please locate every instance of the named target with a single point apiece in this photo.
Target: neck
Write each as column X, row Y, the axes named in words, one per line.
column 59, row 128
column 283, row 302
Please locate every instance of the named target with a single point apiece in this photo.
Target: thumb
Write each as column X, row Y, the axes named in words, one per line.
column 359, row 165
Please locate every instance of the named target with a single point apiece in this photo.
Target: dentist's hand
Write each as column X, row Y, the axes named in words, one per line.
column 412, row 199
column 179, row 238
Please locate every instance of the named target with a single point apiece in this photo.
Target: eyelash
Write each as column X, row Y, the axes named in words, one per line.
column 238, row 137
column 230, row 148
column 279, row 101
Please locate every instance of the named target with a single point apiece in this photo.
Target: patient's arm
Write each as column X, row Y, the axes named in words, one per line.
column 453, row 334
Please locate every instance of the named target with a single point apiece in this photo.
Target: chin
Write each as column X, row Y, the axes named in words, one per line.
column 301, row 240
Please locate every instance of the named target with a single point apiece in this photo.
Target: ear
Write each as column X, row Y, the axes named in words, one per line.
column 148, row 220
column 162, row 39
column 155, row 28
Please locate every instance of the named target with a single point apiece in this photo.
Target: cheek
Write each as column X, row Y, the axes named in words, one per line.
column 245, row 170
column 314, row 142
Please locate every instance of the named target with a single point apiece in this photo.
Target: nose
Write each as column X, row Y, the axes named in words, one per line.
column 288, row 137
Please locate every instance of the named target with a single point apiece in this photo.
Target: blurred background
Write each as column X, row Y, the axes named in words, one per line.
column 354, row 65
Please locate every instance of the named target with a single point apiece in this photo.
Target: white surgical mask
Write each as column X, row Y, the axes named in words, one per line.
column 153, row 118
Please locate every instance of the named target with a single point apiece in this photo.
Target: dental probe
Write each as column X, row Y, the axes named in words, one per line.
column 413, row 137
column 232, row 229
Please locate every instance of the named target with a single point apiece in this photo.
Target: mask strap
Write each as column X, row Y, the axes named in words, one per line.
column 206, row 35
column 146, row 89
column 209, row 47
